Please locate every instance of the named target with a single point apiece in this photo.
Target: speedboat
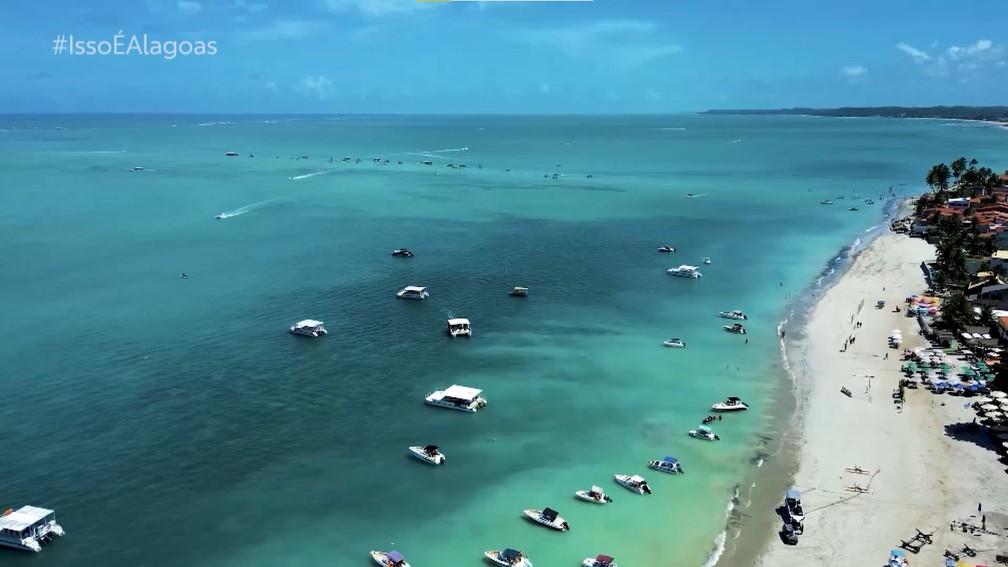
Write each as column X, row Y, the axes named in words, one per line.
column 792, row 503
column 667, row 249
column 412, row 292
column 594, row 495
column 825, row 202
column 220, row 216
column 852, row 209
column 675, row 343
column 599, row 561
column 667, row 465
column 548, row 517
column 402, row 253
column 703, row 432
column 28, row 527
column 685, row 271
column 736, row 328
column 508, row 558
column 635, row 483
column 734, row 314
column 458, row 327
column 731, row 404
column 428, row 454
column 136, row 169
column 706, row 260
column 389, row 558
column 309, row 328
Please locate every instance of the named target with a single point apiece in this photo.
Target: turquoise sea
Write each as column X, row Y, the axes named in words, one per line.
column 176, row 422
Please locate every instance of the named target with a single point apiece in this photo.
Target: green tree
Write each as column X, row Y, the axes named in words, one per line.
column 958, row 167
column 956, row 312
column 938, row 178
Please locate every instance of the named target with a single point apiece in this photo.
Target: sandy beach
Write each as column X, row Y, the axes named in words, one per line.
column 922, row 471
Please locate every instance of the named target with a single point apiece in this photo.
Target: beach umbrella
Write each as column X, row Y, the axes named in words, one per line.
column 983, row 400
column 989, row 407
column 998, row 394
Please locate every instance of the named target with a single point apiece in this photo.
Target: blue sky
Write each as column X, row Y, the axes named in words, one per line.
column 614, row 56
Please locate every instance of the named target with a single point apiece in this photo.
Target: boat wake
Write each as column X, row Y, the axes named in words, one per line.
column 307, row 175
column 246, row 209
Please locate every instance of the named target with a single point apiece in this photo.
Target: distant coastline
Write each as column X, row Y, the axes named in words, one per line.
column 995, row 114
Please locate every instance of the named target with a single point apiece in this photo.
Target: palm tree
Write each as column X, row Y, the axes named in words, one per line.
column 956, row 312
column 958, row 167
column 987, row 316
column 938, row 178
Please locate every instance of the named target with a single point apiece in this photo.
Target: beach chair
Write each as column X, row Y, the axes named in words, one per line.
column 846, row 392
column 1001, row 558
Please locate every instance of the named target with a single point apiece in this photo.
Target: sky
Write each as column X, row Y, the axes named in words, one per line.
column 408, row 56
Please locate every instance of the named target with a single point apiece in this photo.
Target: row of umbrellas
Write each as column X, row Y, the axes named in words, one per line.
column 994, row 410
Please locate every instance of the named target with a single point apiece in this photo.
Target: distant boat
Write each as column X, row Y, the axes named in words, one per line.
column 731, row 404
column 685, row 271
column 220, row 216
column 136, row 169
column 413, row 292
column 402, row 253
column 667, row 249
column 706, row 260
column 458, row 327
column 309, row 328
column 599, row 561
column 508, row 558
column 231, row 154
column 428, row 453
column 737, row 329
column 675, row 343
column 548, row 517
column 668, row 465
column 826, row 202
column 595, row 495
column 389, row 559
column 734, row 314
column 519, row 292
column 703, row 433
column 635, row 483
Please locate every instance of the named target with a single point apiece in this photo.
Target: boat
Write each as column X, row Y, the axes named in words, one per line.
column 599, row 561
column 461, row 398
column 389, row 558
column 706, row 260
column 667, row 249
column 231, row 154
column 731, row 404
column 675, row 343
column 508, row 558
column 28, row 527
column 220, row 216
column 519, row 292
column 136, row 169
column 667, row 465
column 428, row 454
column 594, row 495
column 825, row 202
column 412, row 292
column 793, row 505
column 548, row 517
column 309, row 328
column 685, row 271
column 852, row 209
column 635, row 483
column 788, row 534
column 734, row 314
column 458, row 328
column 704, row 433
column 736, row 328
column 402, row 253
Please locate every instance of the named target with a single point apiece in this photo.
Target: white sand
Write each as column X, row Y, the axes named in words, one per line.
column 921, row 477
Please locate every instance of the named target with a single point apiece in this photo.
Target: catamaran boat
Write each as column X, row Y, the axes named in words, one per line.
column 635, row 483
column 549, row 518
column 685, row 271
column 461, row 398
column 413, row 292
column 519, row 292
column 731, row 404
column 706, row 260
column 428, row 454
column 599, row 561
column 458, row 328
column 734, row 314
column 28, row 528
column 508, row 558
column 595, row 495
column 675, row 343
column 792, row 503
column 309, row 328
column 703, row 432
column 667, row 249
column 389, row 559
column 736, row 328
column 667, row 465
column 402, row 253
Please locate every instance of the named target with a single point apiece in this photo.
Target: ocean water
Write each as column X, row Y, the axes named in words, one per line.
column 176, row 422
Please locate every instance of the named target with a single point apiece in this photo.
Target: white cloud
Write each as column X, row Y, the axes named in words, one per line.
column 317, row 86
column 913, row 52
column 956, row 59
column 189, row 6
column 376, row 7
column 979, row 48
column 855, row 73
column 623, row 43
column 280, row 30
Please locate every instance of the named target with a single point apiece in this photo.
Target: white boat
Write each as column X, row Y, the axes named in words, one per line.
column 428, row 454
column 458, row 327
column 412, row 292
column 136, row 169
column 508, row 558
column 599, row 561
column 685, row 271
column 519, row 291
column 595, row 495
column 675, row 343
column 220, row 216
column 668, row 465
column 28, row 528
column 402, row 253
column 635, row 483
column 703, row 432
column 548, row 517
column 461, row 398
column 706, row 260
column 731, row 404
column 389, row 558
column 734, row 314
column 667, row 249
column 792, row 503
column 736, row 328
column 309, row 328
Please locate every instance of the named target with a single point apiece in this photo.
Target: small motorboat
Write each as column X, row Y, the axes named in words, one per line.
column 136, row 169
column 788, row 534
column 668, row 465
column 595, row 495
column 706, row 260
column 731, row 404
column 736, row 328
column 675, row 343
column 825, row 202
column 635, row 483
column 852, row 209
column 793, row 505
column 704, row 433
column 599, row 561
column 508, row 558
column 389, row 558
column 402, row 253
column 667, row 249
column 548, row 517
column 428, row 454
column 220, row 216
column 734, row 314
column 519, row 291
